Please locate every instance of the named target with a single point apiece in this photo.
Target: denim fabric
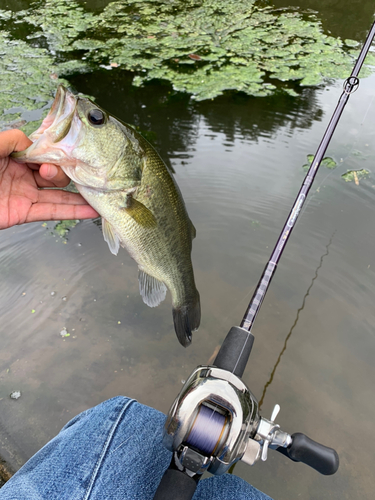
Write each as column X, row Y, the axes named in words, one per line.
column 113, row 451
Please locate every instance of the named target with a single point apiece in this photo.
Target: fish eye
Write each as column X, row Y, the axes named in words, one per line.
column 96, row 116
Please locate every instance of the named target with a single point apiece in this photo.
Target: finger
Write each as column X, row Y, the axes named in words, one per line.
column 54, row 211
column 57, row 196
column 33, row 166
column 43, row 183
column 13, row 140
column 51, row 175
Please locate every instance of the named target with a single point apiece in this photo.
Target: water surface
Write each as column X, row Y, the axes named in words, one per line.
column 238, row 161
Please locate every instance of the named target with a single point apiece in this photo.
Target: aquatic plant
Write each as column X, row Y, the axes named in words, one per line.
column 355, row 175
column 27, row 82
column 63, row 227
column 200, row 47
column 327, row 162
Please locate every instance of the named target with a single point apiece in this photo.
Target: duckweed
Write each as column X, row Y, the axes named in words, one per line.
column 202, row 47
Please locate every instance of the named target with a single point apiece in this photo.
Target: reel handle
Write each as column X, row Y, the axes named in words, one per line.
column 175, row 485
column 303, row 449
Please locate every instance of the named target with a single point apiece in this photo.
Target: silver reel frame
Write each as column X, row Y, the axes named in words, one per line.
column 225, row 393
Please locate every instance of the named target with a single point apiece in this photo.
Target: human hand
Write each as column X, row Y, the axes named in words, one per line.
column 22, row 200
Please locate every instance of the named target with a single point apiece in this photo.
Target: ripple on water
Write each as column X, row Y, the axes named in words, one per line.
column 40, row 273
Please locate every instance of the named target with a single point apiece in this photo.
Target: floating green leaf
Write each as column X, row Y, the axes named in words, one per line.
column 355, row 175
column 63, row 227
column 327, row 162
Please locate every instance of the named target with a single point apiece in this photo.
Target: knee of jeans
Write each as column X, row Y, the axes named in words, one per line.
column 227, row 487
column 107, row 405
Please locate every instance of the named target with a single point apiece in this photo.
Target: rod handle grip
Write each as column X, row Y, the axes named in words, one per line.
column 175, row 485
column 235, row 351
column 303, row 449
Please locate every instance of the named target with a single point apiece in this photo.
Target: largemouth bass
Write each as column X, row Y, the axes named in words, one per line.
column 124, row 179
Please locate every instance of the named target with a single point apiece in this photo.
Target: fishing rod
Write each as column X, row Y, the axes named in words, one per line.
column 214, row 421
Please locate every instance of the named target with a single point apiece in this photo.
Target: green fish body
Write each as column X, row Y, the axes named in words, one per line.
column 124, row 179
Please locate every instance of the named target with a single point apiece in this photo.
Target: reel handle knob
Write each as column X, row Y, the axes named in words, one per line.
column 303, row 449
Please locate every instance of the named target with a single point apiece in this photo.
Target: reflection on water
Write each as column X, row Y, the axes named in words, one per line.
column 269, row 382
column 238, row 162
column 344, row 19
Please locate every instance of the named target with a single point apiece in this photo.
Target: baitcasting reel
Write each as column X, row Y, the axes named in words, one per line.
column 214, row 422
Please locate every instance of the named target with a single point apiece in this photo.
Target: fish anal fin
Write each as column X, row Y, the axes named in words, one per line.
column 152, row 290
column 193, row 231
column 110, row 236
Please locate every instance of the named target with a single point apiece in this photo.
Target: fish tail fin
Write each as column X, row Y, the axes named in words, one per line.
column 186, row 319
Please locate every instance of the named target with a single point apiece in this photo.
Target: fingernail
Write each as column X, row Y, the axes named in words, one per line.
column 52, row 171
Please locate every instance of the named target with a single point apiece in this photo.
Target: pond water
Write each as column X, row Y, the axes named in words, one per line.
column 238, row 161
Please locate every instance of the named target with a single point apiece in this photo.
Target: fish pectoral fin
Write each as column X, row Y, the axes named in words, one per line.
column 141, row 214
column 152, row 290
column 110, row 236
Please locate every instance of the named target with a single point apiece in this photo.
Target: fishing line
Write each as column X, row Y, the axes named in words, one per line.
column 295, row 321
column 268, row 383
column 207, row 440
column 350, row 85
column 368, row 109
column 342, row 159
column 207, row 420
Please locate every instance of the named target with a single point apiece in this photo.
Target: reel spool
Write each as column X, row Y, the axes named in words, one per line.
column 209, row 430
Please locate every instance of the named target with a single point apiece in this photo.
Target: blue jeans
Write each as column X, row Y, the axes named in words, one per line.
column 113, row 451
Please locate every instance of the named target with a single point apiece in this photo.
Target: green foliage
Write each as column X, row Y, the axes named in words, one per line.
column 327, row 162
column 25, row 84
column 60, row 22
column 5, row 14
column 203, row 47
column 355, row 175
column 63, row 227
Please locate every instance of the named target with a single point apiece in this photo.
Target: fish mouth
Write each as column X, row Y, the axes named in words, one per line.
column 55, row 127
column 57, row 122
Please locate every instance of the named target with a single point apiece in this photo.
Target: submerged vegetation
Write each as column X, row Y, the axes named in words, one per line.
column 200, row 47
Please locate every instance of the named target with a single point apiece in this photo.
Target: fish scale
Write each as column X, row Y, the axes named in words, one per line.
column 124, row 179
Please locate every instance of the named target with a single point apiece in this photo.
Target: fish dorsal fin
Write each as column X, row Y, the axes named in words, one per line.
column 152, row 290
column 110, row 236
column 139, row 212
